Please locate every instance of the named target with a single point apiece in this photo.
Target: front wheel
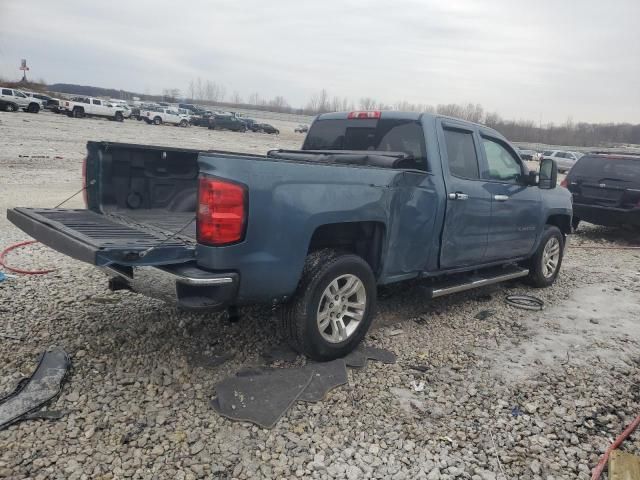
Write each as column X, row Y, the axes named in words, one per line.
column 184, row 123
column 33, row 108
column 119, row 117
column 545, row 264
column 157, row 121
column 332, row 308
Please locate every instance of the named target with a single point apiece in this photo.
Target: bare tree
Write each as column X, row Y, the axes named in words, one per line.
column 236, row 99
column 367, row 103
column 192, row 89
column 254, row 99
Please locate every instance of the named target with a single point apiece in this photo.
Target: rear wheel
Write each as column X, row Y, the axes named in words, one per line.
column 157, row 121
column 332, row 308
column 78, row 112
column 544, row 266
column 10, row 107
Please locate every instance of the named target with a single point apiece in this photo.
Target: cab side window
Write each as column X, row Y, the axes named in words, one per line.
column 6, row 91
column 461, row 154
column 97, row 102
column 503, row 165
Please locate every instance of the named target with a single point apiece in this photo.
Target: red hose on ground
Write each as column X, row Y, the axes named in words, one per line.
column 603, row 461
column 18, row 270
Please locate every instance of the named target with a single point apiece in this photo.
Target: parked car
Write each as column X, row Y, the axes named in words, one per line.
column 605, row 189
column 528, row 155
column 201, row 117
column 160, row 115
column 301, row 128
column 373, row 198
column 226, row 122
column 266, row 128
column 11, row 100
column 79, row 107
column 249, row 122
column 565, row 160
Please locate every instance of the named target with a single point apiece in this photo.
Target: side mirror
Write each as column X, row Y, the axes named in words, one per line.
column 548, row 174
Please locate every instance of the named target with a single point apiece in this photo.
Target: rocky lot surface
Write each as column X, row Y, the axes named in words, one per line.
column 508, row 393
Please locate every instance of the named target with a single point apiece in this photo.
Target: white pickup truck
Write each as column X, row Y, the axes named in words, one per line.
column 160, row 115
column 12, row 100
column 79, row 107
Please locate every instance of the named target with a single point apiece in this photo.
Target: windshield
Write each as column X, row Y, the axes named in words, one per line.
column 385, row 135
column 600, row 168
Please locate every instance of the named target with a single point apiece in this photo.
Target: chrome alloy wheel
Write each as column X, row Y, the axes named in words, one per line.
column 550, row 257
column 341, row 309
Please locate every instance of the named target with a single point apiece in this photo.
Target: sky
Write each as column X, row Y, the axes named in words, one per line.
column 543, row 60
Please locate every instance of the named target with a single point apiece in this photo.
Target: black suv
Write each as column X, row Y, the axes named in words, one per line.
column 606, row 189
column 229, row 122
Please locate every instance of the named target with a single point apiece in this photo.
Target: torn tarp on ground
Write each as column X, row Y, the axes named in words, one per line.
column 31, row 394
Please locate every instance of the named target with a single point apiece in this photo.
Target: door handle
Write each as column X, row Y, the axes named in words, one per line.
column 458, row 196
column 501, row 198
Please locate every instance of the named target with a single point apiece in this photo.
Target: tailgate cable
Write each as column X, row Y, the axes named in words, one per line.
column 144, row 253
column 31, row 242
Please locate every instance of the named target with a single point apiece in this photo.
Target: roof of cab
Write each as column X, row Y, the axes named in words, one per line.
column 399, row 115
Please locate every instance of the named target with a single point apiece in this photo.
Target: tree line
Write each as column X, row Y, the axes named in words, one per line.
column 579, row 134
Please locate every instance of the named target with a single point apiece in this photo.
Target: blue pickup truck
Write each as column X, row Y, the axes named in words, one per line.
column 372, row 198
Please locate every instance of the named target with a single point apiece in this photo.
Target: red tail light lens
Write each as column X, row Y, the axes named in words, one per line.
column 364, row 115
column 222, row 212
column 564, row 182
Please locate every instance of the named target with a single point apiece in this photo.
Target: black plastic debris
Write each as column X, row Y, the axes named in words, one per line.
column 325, row 377
column 31, row 394
column 263, row 395
column 263, row 398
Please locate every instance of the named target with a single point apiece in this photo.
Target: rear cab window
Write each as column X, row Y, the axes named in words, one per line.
column 383, row 135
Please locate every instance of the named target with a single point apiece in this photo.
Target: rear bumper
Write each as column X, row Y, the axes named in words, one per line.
column 190, row 287
column 606, row 216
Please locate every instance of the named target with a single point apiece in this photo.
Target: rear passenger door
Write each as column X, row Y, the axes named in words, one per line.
column 515, row 207
column 466, row 224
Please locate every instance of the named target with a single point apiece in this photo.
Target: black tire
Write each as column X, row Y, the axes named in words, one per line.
column 10, row 107
column 538, row 274
column 119, row 117
column 184, row 123
column 299, row 316
column 33, row 108
column 78, row 112
column 157, row 121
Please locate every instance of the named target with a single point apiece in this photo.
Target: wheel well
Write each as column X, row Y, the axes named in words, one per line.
column 563, row 222
column 362, row 238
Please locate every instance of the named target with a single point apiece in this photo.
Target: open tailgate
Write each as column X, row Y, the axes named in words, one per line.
column 100, row 239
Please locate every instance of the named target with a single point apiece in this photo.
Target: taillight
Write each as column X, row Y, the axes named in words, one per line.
column 364, row 115
column 564, row 182
column 84, row 182
column 222, row 212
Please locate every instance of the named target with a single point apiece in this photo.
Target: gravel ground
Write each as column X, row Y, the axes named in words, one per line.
column 508, row 393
